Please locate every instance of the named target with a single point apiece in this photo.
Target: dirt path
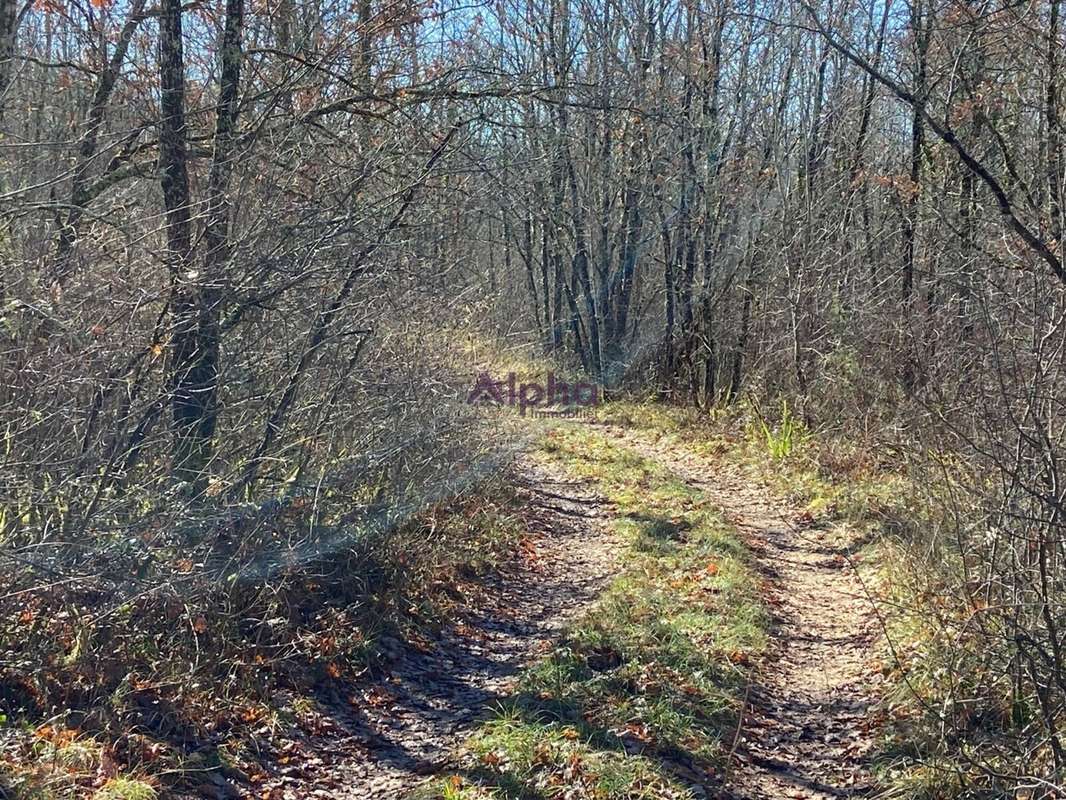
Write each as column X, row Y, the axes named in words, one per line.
column 809, row 729
column 406, row 726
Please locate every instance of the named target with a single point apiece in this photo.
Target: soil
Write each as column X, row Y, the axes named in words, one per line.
column 811, row 722
column 407, row 724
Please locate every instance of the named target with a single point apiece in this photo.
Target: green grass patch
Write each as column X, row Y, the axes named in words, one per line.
column 844, row 479
column 125, row 789
column 640, row 698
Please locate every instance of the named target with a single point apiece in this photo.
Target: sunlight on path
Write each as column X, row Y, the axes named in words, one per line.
column 810, row 726
column 407, row 725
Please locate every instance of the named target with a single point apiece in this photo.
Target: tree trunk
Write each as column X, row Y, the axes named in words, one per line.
column 1054, row 128
column 8, row 24
column 189, row 384
column 911, row 366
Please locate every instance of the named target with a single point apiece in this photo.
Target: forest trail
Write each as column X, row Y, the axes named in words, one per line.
column 809, row 727
column 396, row 731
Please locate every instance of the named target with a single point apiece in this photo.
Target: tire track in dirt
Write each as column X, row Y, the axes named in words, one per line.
column 809, row 728
column 407, row 724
